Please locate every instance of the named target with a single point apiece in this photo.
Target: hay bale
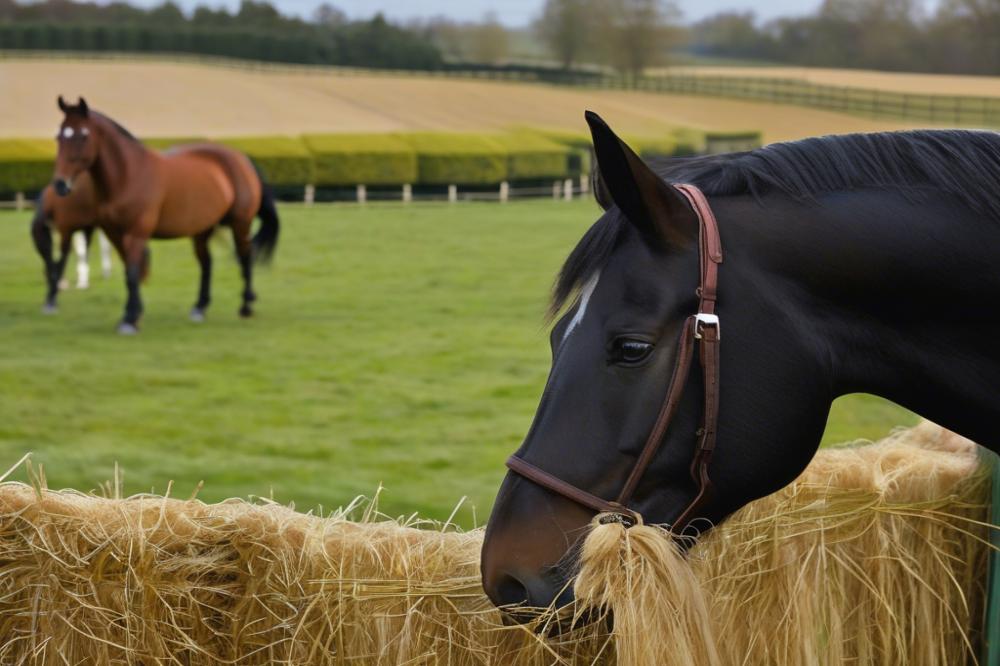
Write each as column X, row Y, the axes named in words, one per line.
column 874, row 556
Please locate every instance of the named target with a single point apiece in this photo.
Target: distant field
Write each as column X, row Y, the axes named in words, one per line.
column 904, row 82
column 177, row 99
column 396, row 345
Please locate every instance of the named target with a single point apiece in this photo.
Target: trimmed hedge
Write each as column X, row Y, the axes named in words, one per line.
column 680, row 142
column 531, row 156
column 282, row 160
column 418, row 158
column 26, row 165
column 731, row 142
column 370, row 159
column 651, row 147
column 578, row 159
column 689, row 142
column 564, row 137
column 459, row 159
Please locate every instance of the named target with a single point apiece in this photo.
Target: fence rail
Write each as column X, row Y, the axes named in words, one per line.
column 567, row 189
column 950, row 109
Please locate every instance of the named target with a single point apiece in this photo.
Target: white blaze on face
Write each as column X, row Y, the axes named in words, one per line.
column 67, row 132
column 581, row 310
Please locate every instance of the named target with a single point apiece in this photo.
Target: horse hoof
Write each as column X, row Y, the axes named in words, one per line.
column 126, row 328
column 197, row 315
column 246, row 311
column 49, row 309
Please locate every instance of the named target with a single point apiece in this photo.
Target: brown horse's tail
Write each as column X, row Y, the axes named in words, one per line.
column 266, row 238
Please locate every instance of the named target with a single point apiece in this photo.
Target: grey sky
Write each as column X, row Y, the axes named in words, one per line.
column 511, row 12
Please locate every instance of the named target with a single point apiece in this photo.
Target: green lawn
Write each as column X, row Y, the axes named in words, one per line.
column 395, row 345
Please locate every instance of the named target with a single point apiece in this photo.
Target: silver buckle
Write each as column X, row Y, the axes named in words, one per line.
column 703, row 319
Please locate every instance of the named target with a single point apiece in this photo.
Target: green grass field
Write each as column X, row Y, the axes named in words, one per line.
column 395, row 345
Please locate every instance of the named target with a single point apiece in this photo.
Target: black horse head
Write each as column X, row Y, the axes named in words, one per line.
column 834, row 282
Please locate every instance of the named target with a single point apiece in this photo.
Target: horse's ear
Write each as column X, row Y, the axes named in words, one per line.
column 82, row 107
column 652, row 205
column 63, row 106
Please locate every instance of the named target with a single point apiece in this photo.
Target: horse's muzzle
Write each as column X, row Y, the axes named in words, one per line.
column 63, row 186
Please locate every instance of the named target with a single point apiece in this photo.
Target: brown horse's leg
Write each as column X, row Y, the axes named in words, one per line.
column 115, row 238
column 204, row 256
column 135, row 256
column 146, row 262
column 244, row 250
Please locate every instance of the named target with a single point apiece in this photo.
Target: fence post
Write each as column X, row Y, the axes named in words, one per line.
column 309, row 196
column 362, row 194
column 407, row 193
column 504, row 191
column 568, row 189
column 556, row 189
column 452, row 193
column 19, row 201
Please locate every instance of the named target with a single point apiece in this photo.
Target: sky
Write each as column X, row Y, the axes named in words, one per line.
column 511, row 12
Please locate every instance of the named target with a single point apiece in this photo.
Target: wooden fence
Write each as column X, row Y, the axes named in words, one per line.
column 938, row 109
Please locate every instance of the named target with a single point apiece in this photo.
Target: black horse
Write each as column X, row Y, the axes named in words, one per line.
column 860, row 263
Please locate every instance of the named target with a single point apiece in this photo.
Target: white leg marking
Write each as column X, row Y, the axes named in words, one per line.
column 581, row 310
column 105, row 244
column 82, row 265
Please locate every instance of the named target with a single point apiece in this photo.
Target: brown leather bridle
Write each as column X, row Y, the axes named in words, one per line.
column 703, row 328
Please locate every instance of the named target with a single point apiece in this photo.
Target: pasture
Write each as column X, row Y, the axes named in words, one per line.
column 217, row 101
column 402, row 345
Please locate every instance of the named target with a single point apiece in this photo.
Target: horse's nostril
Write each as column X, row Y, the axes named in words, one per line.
column 509, row 591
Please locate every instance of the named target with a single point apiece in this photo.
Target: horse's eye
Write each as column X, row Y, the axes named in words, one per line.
column 629, row 351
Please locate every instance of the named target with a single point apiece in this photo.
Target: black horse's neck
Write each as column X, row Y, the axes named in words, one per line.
column 901, row 294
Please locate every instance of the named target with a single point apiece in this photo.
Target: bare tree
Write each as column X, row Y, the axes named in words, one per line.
column 329, row 16
column 641, row 33
column 490, row 43
column 566, row 27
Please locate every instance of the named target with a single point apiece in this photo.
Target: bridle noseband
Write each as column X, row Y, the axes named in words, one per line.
column 701, row 330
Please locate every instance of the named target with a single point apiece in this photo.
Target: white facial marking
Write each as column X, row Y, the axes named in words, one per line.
column 85, row 131
column 585, row 294
column 67, row 132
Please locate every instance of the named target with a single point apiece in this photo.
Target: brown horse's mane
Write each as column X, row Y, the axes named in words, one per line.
column 114, row 123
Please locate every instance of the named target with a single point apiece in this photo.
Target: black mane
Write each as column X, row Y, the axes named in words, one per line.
column 964, row 164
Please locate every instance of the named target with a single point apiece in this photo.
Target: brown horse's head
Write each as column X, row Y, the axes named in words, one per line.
column 77, row 142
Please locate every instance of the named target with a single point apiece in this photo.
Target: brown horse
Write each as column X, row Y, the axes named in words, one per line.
column 66, row 215
column 142, row 194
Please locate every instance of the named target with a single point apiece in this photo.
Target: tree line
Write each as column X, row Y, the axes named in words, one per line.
column 960, row 36
column 257, row 30
column 627, row 36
